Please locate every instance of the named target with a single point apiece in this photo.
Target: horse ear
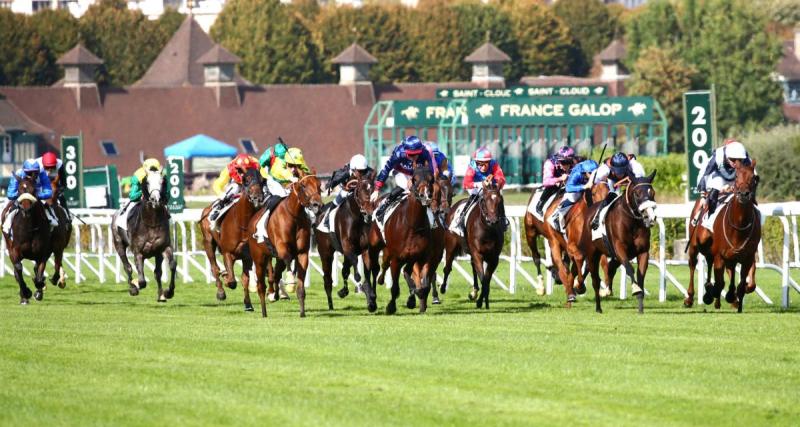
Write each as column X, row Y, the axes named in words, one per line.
column 753, row 163
column 652, row 176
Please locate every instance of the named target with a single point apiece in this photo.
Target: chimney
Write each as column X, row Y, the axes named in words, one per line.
column 487, row 66
column 79, row 68
column 354, row 63
column 611, row 61
column 219, row 73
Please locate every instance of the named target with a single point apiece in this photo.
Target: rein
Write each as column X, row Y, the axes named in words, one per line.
column 727, row 221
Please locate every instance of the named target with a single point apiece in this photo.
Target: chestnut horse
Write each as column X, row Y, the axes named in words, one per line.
column 60, row 235
column 349, row 236
column 484, row 240
column 628, row 224
column 289, row 239
column 233, row 235
column 30, row 239
column 408, row 240
column 737, row 232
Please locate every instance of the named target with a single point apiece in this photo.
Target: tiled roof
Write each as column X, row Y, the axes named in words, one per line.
column 487, row 53
column 354, row 54
column 79, row 55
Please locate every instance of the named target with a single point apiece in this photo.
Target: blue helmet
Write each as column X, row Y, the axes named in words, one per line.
column 619, row 164
column 30, row 166
column 412, row 145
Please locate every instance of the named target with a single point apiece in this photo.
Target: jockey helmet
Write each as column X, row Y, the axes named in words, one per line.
column 482, row 155
column 619, row 164
column 294, row 156
column 151, row 164
column 565, row 153
column 735, row 150
column 49, row 159
column 358, row 162
column 30, row 166
column 412, row 145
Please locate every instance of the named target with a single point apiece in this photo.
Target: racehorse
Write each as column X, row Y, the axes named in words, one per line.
column 30, row 238
column 231, row 239
column 289, row 239
column 349, row 235
column 148, row 236
column 408, row 240
column 737, row 232
column 60, row 235
column 627, row 224
column 484, row 240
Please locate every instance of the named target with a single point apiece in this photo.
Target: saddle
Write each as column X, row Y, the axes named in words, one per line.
column 706, row 220
column 537, row 195
column 600, row 232
column 391, row 204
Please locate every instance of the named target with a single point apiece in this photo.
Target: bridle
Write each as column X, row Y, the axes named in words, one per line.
column 304, row 200
column 738, row 194
column 482, row 208
column 425, row 201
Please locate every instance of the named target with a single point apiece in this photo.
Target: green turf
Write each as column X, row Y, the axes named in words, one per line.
column 91, row 354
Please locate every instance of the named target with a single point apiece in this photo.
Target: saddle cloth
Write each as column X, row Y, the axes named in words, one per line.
column 708, row 221
column 327, row 223
column 455, row 227
column 601, row 229
column 535, row 200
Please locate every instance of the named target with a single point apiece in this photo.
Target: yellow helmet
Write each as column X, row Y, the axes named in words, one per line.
column 151, row 165
column 294, row 157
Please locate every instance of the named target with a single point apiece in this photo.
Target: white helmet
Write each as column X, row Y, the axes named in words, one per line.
column 735, row 150
column 358, row 162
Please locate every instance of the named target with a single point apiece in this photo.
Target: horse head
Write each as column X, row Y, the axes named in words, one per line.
column 442, row 194
column 491, row 203
column 27, row 194
column 362, row 189
column 308, row 192
column 422, row 184
column 746, row 182
column 253, row 187
column 155, row 189
column 641, row 198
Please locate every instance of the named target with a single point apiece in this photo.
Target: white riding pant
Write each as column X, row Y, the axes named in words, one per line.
column 276, row 189
column 402, row 180
column 715, row 181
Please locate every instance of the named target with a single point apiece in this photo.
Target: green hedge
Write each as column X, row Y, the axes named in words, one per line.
column 777, row 152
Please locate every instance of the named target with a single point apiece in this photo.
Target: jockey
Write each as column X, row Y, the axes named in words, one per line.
column 401, row 165
column 579, row 180
column 286, row 171
column 615, row 172
column 720, row 172
column 275, row 153
column 54, row 167
column 480, row 169
column 355, row 169
column 440, row 161
column 229, row 185
column 149, row 165
column 554, row 174
column 30, row 169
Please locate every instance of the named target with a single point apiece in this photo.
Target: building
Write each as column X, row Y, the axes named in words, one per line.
column 788, row 74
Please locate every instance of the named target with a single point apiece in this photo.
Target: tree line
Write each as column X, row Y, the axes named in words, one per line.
column 672, row 45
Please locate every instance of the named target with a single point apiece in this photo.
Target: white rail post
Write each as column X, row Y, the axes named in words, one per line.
column 78, row 257
column 662, row 262
column 785, row 264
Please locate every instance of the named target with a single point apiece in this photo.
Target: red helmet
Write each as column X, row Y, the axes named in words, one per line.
column 49, row 159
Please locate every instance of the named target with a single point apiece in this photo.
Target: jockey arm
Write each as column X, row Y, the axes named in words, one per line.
column 13, row 188
column 221, row 182
column 549, row 178
column 394, row 159
column 339, row 176
column 499, row 176
column 469, row 180
column 44, row 190
column 711, row 166
column 280, row 172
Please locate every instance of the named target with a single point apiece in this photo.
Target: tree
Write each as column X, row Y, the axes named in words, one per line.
column 544, row 41
column 434, row 33
column 125, row 40
column 24, row 57
column 59, row 32
column 656, row 25
column 590, row 24
column 480, row 23
column 168, row 23
column 662, row 74
column 378, row 29
column 273, row 43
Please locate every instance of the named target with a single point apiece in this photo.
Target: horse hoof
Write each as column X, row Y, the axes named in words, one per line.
column 221, row 296
column 540, row 291
column 688, row 303
column 599, row 310
column 730, row 298
column 391, row 308
column 142, row 285
column 248, row 307
column 708, row 298
column 169, row 294
column 23, row 301
column 479, row 303
column 272, row 297
column 735, row 305
column 443, row 289
column 411, row 302
column 302, row 314
column 571, row 298
column 343, row 292
column 133, row 291
column 473, row 295
column 62, row 284
column 231, row 285
column 39, row 295
column 436, row 301
column 372, row 307
column 26, row 293
column 162, row 298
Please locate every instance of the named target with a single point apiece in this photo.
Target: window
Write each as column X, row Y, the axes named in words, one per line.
column 6, row 4
column 41, row 5
column 109, row 148
column 791, row 90
column 248, row 146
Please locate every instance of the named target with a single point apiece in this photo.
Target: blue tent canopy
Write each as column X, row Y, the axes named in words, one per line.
column 200, row 146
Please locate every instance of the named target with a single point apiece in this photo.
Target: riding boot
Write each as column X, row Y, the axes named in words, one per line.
column 51, row 216
column 596, row 220
column 713, row 199
column 546, row 194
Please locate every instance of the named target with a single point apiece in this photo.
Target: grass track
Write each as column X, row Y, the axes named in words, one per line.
column 91, row 354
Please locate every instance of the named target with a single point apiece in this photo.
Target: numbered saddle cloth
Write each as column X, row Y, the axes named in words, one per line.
column 457, row 227
column 601, row 229
column 328, row 221
column 537, row 195
column 388, row 213
column 708, row 220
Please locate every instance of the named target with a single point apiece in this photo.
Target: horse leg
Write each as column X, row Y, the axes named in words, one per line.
column 712, row 292
column 609, row 289
column 275, row 274
column 326, row 258
column 577, row 274
column 609, row 271
column 448, row 267
column 642, row 261
column 537, row 262
column 742, row 289
column 730, row 296
column 411, row 302
column 751, row 275
column 24, row 292
column 486, row 280
column 58, row 274
column 210, row 249
column 301, row 266
column 367, row 287
column 689, row 301
column 121, row 248
column 38, row 280
column 173, row 267
column 423, row 285
column 231, row 278
column 563, row 274
column 594, row 266
column 345, row 291
column 473, row 292
column 260, row 285
column 157, row 272
column 394, row 265
column 477, row 268
column 140, row 270
column 247, row 265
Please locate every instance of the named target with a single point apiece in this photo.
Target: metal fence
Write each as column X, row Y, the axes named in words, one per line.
column 91, row 256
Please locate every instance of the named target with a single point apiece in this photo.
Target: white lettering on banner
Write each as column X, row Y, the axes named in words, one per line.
column 497, row 93
column 602, row 110
column 540, row 91
column 531, row 110
column 465, row 93
column 574, row 91
column 439, row 112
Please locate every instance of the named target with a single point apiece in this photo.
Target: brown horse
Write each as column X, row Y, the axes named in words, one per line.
column 233, row 235
column 628, row 224
column 484, row 240
column 737, row 232
column 289, row 231
column 60, row 235
column 349, row 236
column 30, row 238
column 408, row 240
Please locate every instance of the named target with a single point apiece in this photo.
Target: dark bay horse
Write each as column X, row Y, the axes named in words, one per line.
column 30, row 239
column 233, row 235
column 628, row 224
column 737, row 232
column 484, row 241
column 148, row 236
column 289, row 239
column 60, row 235
column 349, row 236
column 408, row 240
